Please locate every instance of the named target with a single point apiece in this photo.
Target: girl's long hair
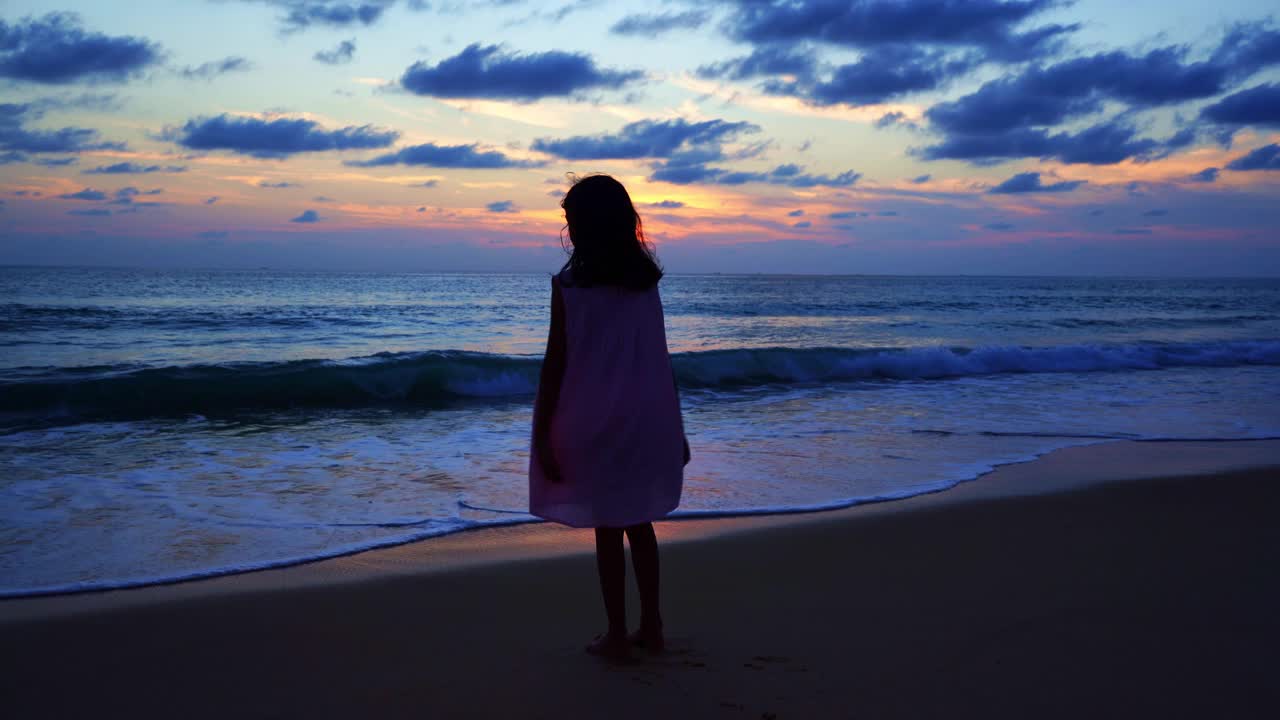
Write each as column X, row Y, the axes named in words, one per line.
column 606, row 238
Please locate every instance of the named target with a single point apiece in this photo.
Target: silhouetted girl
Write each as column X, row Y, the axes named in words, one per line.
column 608, row 448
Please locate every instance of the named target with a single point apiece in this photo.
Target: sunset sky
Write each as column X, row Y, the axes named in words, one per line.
column 916, row 136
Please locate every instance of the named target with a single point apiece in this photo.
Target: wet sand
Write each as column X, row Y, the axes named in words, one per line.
column 1118, row 580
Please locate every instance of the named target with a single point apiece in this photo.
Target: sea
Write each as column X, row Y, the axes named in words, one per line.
column 158, row 425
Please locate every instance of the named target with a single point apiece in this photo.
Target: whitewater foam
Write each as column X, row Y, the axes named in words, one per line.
column 436, row 379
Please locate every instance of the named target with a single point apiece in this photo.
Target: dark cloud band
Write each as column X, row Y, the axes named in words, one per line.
column 648, row 139
column 1029, row 182
column 989, row 25
column 1258, row 105
column 275, row 138
column 55, row 49
column 486, row 71
column 1266, row 157
column 445, row 156
column 128, row 168
column 16, row 139
column 654, row 25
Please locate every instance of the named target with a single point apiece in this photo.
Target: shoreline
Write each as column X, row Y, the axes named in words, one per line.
column 1061, row 470
column 1119, row 580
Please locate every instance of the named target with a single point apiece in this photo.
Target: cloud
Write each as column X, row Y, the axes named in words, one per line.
column 1132, row 231
column 344, row 53
column 795, row 213
column 212, row 200
column 1249, row 47
column 881, row 74
column 686, row 148
column 1259, row 105
column 686, row 174
column 764, row 61
column 323, row 199
column 1155, row 213
column 277, row 185
column 127, row 196
column 298, row 15
column 54, row 162
column 789, row 175
column 212, row 234
column 553, row 16
column 653, row 25
column 15, row 137
column 502, row 206
column 1029, row 182
column 274, row 138
column 649, row 139
column 131, row 191
column 486, row 71
column 884, row 74
column 85, row 194
column 91, row 212
column 55, row 49
column 1103, row 144
column 1044, row 96
column 340, row 14
column 1266, row 157
column 988, row 25
column 307, row 216
column 999, row 226
column 128, row 168
column 921, row 179
column 426, row 184
column 214, row 68
column 1206, row 175
column 904, row 46
column 847, row 215
column 1010, row 116
column 896, row 117
column 802, row 224
column 97, row 102
column 445, row 156
column 667, row 204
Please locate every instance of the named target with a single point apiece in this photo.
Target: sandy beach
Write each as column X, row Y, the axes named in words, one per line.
column 1116, row 580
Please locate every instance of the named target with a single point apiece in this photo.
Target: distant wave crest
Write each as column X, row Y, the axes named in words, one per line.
column 438, row 378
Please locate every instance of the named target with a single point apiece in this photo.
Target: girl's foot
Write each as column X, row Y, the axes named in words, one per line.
column 612, row 646
column 650, row 639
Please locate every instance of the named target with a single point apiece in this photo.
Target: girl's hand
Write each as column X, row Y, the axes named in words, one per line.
column 687, row 455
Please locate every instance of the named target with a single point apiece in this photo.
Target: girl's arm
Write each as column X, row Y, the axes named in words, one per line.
column 553, row 364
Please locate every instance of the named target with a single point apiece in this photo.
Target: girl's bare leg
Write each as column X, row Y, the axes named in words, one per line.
column 611, row 563
column 644, row 558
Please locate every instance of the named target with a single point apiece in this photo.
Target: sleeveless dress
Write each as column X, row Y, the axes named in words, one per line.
column 616, row 432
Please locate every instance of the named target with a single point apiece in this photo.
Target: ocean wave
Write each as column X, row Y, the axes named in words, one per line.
column 438, row 378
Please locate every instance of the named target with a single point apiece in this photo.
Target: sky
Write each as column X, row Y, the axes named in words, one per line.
column 805, row 136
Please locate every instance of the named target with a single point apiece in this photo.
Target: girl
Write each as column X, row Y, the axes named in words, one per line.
column 608, row 448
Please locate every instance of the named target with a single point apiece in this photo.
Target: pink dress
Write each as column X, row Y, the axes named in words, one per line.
column 616, row 432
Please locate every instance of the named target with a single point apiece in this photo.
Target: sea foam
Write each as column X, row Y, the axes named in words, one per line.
column 437, row 379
